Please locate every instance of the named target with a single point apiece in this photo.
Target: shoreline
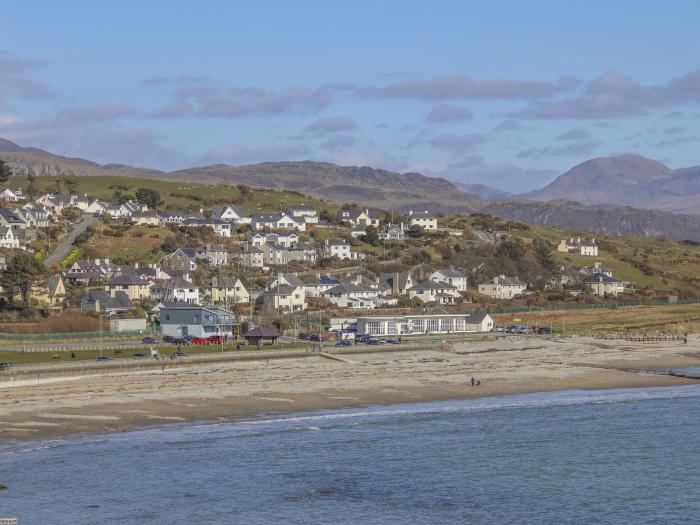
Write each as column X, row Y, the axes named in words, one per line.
column 252, row 389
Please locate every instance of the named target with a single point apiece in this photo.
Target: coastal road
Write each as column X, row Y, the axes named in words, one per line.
column 66, row 244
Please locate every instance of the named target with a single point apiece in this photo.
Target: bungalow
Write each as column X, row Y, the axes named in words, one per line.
column 305, row 211
column 98, row 206
column 9, row 195
column 437, row 292
column 104, row 303
column 452, row 277
column 277, row 221
column 502, row 287
column 177, row 320
column 180, row 259
column 145, row 218
column 134, row 287
column 424, row 219
column 221, row 228
column 228, row 290
column 604, row 285
column 174, row 216
column 382, row 326
column 596, row 269
column 357, row 216
column 579, row 247
column 231, row 214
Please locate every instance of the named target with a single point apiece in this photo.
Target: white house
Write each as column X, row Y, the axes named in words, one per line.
column 452, row 277
column 604, row 285
column 305, row 211
column 502, row 287
column 231, row 214
column 199, row 321
column 424, row 219
column 228, row 290
column 221, row 228
column 336, row 248
column 9, row 195
column 277, row 221
column 8, row 239
column 356, row 216
column 438, row 292
column 579, row 246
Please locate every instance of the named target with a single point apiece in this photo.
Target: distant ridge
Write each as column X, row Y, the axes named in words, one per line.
column 403, row 191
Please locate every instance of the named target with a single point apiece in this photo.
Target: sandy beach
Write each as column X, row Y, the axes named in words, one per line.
column 115, row 402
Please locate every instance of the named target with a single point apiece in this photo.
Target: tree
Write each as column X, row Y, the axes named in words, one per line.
column 22, row 274
column 71, row 213
column 543, row 251
column 415, row 231
column 147, row 196
column 5, row 171
column 371, row 235
column 511, row 248
column 32, row 191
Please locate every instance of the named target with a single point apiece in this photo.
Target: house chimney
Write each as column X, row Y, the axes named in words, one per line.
column 107, row 262
column 136, row 266
column 97, row 262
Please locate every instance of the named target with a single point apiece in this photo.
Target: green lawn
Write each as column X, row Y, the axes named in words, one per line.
column 17, row 358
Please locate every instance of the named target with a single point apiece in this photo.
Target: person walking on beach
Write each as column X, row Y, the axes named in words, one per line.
column 473, row 381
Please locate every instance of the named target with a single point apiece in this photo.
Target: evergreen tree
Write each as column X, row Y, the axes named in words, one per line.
column 22, row 274
column 5, row 171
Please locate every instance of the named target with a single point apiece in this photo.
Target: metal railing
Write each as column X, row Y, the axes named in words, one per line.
column 74, row 335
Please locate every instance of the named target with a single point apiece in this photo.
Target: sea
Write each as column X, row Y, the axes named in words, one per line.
column 622, row 456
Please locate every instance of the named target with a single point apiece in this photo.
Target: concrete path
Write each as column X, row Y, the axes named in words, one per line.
column 66, row 244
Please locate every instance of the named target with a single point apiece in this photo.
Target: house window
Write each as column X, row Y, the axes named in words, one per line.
column 418, row 325
column 167, row 317
column 433, row 325
column 374, row 328
column 391, row 328
column 459, row 325
column 447, row 325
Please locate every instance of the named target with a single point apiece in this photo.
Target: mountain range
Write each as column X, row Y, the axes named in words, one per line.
column 613, row 195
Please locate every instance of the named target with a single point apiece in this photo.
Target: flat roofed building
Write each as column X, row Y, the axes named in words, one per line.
column 199, row 321
column 380, row 326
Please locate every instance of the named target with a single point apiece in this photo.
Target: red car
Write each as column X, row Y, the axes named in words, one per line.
column 216, row 339
column 200, row 341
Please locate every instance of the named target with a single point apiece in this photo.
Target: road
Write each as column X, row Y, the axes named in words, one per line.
column 66, row 244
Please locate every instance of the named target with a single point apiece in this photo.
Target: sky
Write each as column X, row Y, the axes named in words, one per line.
column 504, row 93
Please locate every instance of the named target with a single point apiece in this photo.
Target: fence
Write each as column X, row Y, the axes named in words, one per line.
column 73, row 335
column 583, row 306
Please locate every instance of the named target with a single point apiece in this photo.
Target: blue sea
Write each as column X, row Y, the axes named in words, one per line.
column 577, row 457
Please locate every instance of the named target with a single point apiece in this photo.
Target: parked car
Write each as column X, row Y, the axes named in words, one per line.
column 180, row 354
column 545, row 330
column 374, row 341
column 103, row 358
column 315, row 337
column 216, row 339
column 140, row 355
column 5, row 366
column 171, row 339
column 304, row 335
column 344, row 342
column 200, row 341
column 150, row 341
column 394, row 341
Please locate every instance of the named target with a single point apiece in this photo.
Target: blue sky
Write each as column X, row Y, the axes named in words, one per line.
column 509, row 94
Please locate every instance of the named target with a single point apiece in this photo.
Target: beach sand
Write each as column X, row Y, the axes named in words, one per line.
column 116, row 402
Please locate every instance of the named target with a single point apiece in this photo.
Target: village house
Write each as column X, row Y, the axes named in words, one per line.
column 424, row 219
column 399, row 283
column 34, row 216
column 355, row 296
column 434, row 292
column 135, row 288
column 231, row 214
column 56, row 289
column 9, row 238
column 180, row 259
column 358, row 231
column 315, row 286
column 392, row 326
column 177, row 320
column 11, row 219
column 596, row 269
column 228, row 290
column 305, row 211
column 85, row 271
column 502, row 287
column 336, row 248
column 579, row 246
column 452, row 277
column 393, row 232
column 604, row 285
column 214, row 254
column 357, row 216
column 98, row 206
column 145, row 218
column 277, row 221
column 104, row 303
column 221, row 228
column 10, row 195
column 285, row 292
column 176, row 290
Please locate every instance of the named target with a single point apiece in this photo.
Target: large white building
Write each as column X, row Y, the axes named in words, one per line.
column 379, row 326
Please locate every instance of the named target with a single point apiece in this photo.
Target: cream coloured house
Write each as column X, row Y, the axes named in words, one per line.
column 502, row 287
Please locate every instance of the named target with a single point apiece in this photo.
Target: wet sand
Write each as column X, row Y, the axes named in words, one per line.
column 116, row 402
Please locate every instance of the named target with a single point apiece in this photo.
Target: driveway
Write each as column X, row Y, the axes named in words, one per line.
column 66, row 244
